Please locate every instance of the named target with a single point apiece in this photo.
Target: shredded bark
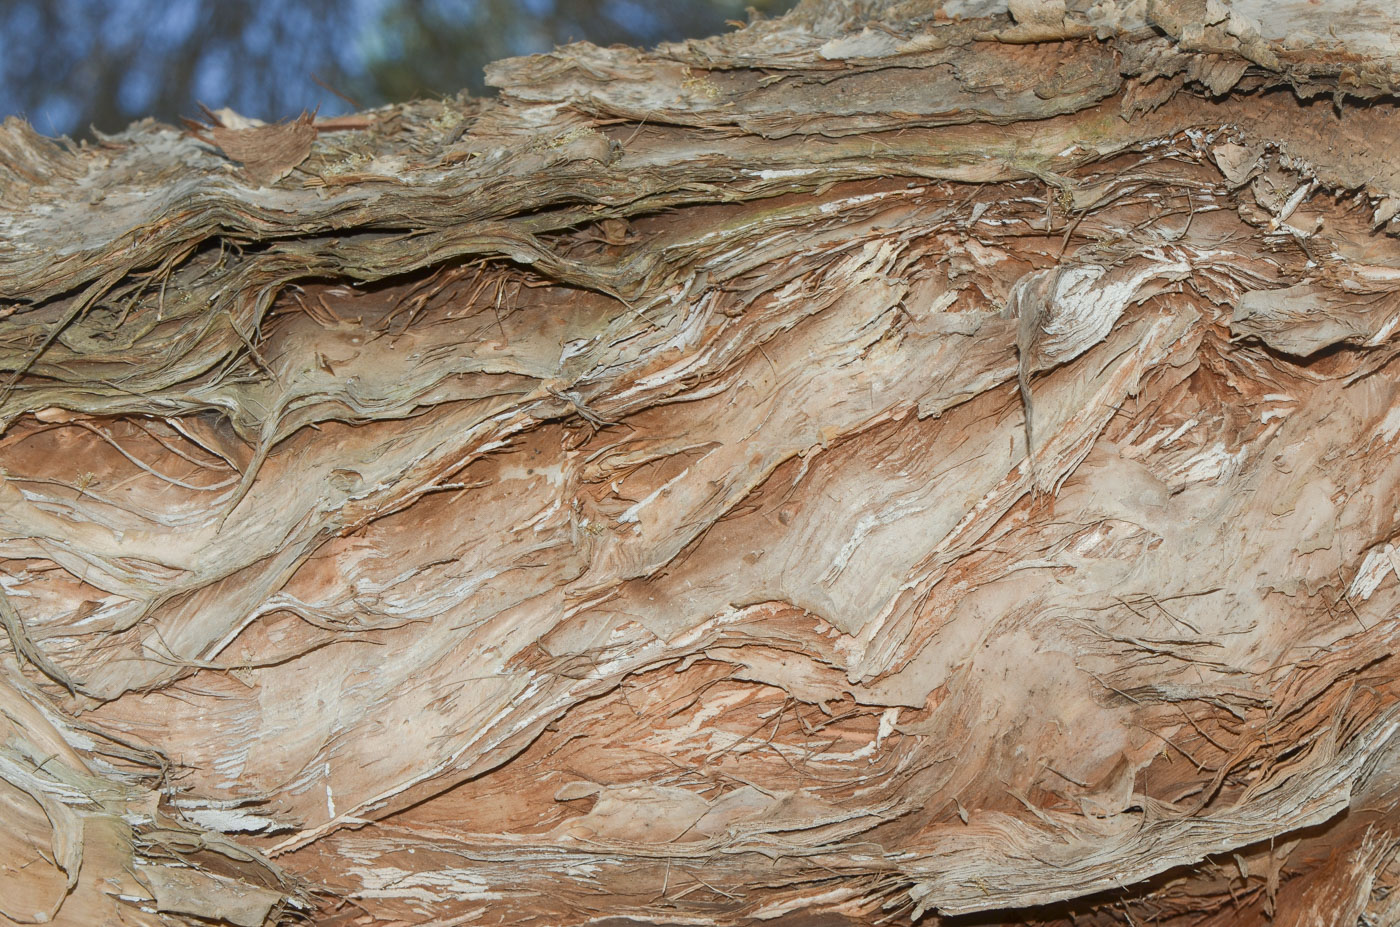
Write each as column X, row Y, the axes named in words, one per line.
column 901, row 461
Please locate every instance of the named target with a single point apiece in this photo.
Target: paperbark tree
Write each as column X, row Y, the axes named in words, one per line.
column 902, row 460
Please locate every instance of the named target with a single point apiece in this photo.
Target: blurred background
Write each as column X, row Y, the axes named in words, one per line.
column 68, row 65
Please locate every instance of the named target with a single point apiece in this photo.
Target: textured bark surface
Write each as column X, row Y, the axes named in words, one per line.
column 904, row 460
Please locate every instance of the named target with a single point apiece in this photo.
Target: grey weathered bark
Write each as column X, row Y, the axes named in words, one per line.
column 615, row 499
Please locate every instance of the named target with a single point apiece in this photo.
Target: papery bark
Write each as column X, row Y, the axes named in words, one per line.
column 901, row 460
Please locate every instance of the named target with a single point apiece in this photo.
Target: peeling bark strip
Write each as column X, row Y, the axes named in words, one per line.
column 615, row 499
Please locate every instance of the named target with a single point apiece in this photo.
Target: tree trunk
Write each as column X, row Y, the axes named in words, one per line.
column 899, row 460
